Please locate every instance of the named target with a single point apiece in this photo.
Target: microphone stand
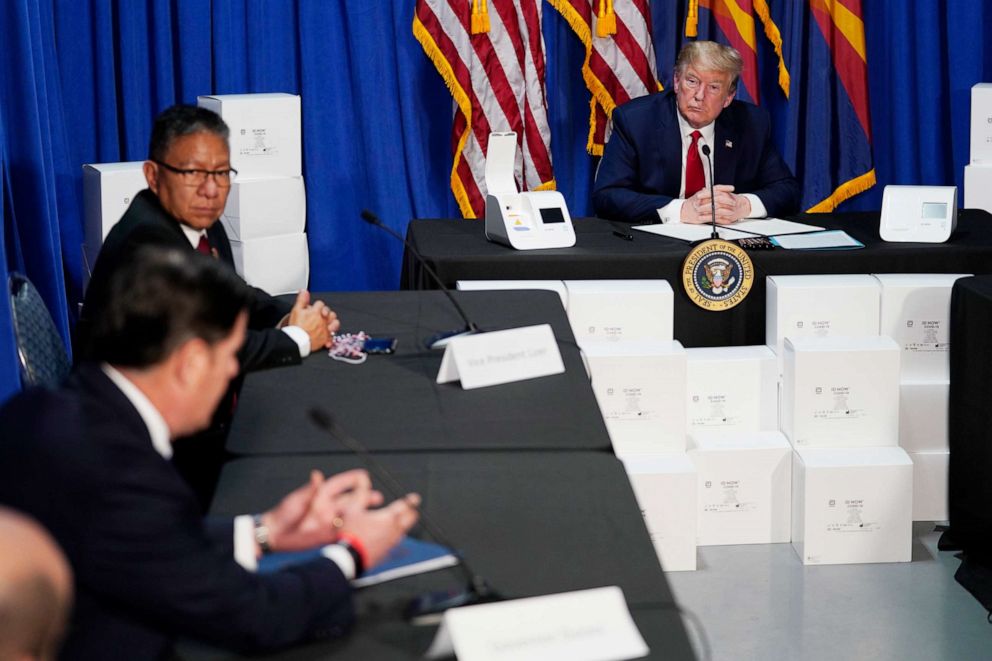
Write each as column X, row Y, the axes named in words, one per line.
column 440, row 339
column 426, row 608
column 706, row 152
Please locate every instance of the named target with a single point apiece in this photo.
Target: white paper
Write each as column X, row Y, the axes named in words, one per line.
column 818, row 241
column 489, row 359
column 587, row 625
column 742, row 229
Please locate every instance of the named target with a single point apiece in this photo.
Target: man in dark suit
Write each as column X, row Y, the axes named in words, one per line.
column 189, row 177
column 90, row 462
column 653, row 169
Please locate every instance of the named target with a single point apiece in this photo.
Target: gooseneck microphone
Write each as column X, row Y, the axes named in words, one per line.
column 438, row 340
column 426, row 608
column 706, row 152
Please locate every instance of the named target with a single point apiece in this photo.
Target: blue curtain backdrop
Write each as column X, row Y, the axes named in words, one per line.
column 81, row 81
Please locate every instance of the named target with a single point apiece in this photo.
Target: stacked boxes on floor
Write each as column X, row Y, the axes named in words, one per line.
column 638, row 374
column 265, row 215
column 978, row 174
column 915, row 312
column 108, row 189
column 851, row 483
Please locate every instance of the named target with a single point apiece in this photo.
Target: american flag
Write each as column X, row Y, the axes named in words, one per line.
column 619, row 64
column 491, row 56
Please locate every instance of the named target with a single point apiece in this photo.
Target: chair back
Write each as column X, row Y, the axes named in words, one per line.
column 40, row 351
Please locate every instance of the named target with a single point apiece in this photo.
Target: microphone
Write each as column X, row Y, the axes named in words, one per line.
column 426, row 608
column 438, row 340
column 706, row 152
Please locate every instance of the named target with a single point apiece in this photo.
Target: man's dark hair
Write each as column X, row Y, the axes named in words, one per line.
column 161, row 298
column 180, row 120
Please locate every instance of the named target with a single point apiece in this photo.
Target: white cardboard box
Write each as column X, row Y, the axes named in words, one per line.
column 665, row 487
column 916, row 313
column 978, row 186
column 640, row 388
column 265, row 132
column 930, row 485
column 852, row 505
column 841, row 391
column 272, row 206
column 981, row 123
column 731, row 389
column 556, row 286
column 108, row 189
column 275, row 264
column 923, row 417
column 614, row 310
column 744, row 483
column 819, row 306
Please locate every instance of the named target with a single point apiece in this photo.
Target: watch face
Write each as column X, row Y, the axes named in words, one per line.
column 717, row 275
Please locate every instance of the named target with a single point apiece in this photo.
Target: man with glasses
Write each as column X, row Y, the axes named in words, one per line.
column 189, row 176
column 654, row 169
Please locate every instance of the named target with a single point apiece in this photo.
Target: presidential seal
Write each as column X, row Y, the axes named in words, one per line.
column 717, row 275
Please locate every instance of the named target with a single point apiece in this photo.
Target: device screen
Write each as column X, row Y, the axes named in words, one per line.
column 552, row 215
column 935, row 210
column 375, row 345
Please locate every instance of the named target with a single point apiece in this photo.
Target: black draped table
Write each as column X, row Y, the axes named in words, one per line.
column 458, row 250
column 531, row 523
column 394, row 403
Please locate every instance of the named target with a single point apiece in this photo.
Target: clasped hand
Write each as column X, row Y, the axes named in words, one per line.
column 319, row 321
column 730, row 207
column 320, row 511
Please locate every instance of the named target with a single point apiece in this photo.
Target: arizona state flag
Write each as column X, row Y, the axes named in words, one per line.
column 828, row 139
column 732, row 22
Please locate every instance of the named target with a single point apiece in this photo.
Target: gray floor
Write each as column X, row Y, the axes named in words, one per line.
column 759, row 602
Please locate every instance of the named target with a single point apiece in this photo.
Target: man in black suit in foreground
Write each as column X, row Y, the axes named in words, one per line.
column 90, row 461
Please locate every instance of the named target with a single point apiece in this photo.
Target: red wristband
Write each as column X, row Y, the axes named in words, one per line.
column 356, row 544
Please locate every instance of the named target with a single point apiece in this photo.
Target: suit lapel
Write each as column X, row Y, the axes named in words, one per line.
column 670, row 141
column 725, row 150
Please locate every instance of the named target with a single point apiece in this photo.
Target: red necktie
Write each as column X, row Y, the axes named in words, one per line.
column 204, row 246
column 694, row 177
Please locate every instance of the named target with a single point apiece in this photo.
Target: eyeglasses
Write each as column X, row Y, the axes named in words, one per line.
column 193, row 177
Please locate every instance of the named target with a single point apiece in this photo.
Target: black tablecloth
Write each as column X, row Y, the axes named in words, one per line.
column 970, row 417
column 531, row 523
column 393, row 402
column 458, row 250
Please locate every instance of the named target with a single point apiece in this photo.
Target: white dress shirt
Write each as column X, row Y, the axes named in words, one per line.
column 672, row 212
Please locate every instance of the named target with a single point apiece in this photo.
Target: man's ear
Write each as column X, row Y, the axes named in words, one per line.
column 151, row 175
column 730, row 97
column 189, row 362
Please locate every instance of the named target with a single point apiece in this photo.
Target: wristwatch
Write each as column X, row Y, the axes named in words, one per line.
column 261, row 533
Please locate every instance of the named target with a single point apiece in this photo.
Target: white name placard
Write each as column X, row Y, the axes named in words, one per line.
column 489, row 359
column 587, row 625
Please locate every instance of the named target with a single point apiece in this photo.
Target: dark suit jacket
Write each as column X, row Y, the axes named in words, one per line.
column 641, row 170
column 147, row 567
column 147, row 223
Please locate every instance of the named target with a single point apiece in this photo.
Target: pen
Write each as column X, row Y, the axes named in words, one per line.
column 623, row 235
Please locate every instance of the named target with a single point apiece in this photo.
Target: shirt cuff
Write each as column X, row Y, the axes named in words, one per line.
column 757, row 206
column 299, row 336
column 244, row 542
column 339, row 555
column 671, row 212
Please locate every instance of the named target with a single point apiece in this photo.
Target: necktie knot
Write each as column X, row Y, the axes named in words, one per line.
column 204, row 245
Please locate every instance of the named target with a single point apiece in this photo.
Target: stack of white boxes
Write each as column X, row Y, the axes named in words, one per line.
column 851, row 483
column 108, row 189
column 743, row 463
column 978, row 174
column 265, row 215
column 915, row 312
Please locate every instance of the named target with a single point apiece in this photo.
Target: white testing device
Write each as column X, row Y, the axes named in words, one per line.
column 525, row 221
column 922, row 214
